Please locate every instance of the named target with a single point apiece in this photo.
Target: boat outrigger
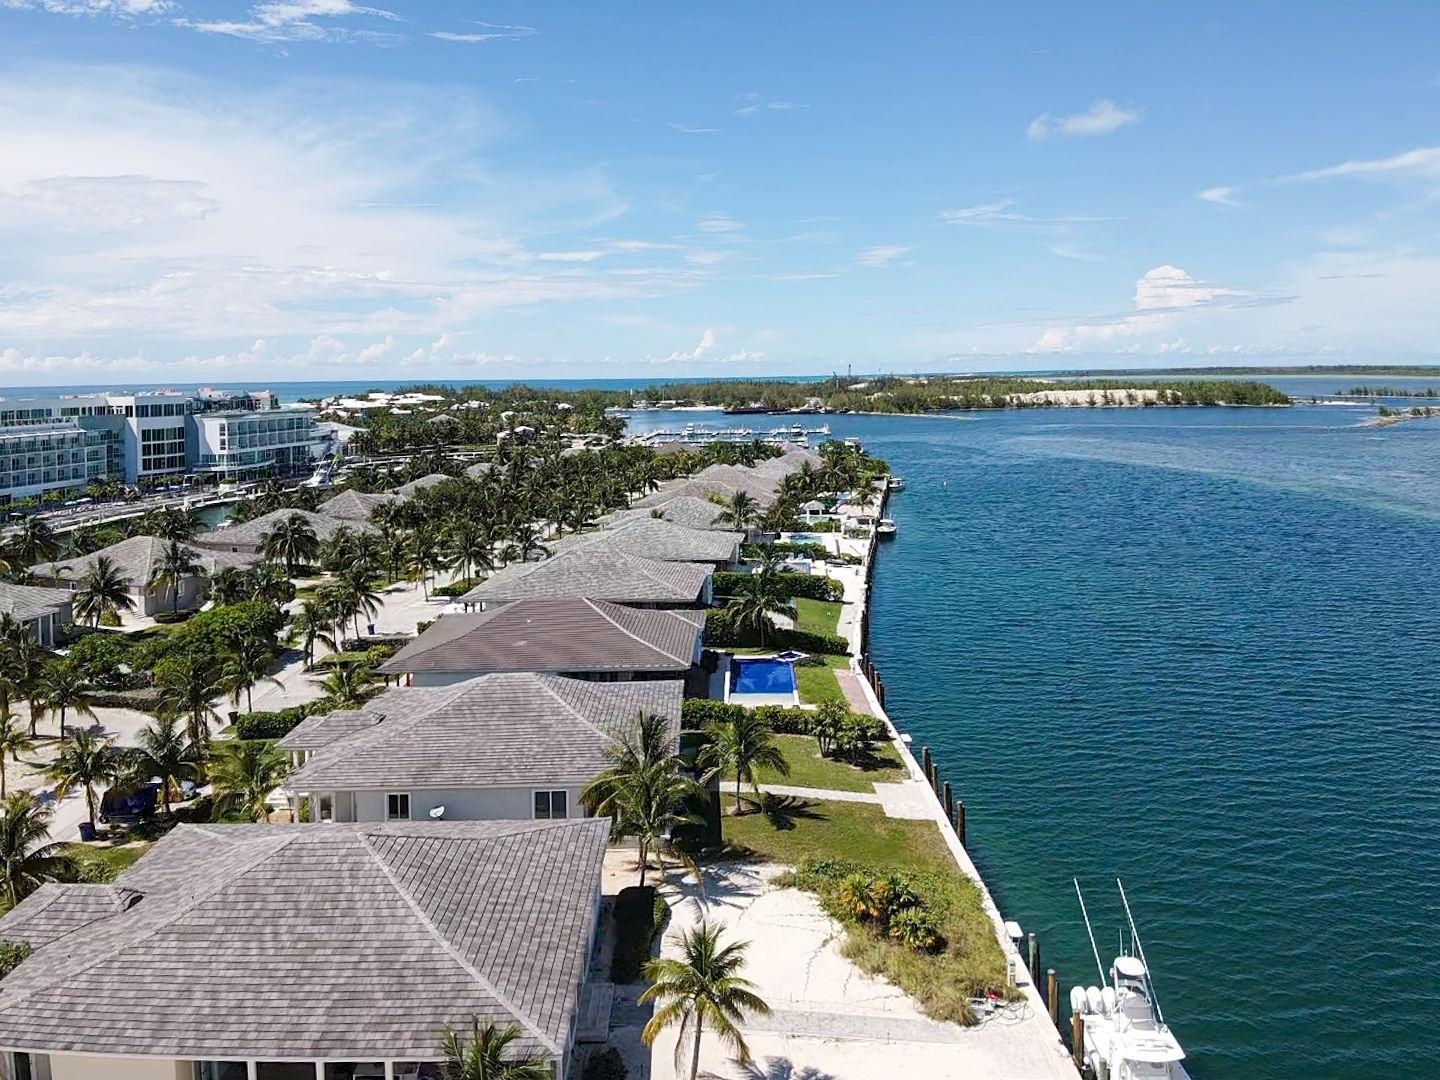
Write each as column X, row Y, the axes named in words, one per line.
column 1124, row 1030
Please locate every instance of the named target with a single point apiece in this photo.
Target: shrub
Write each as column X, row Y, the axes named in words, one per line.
column 697, row 713
column 721, row 631
column 808, row 586
column 104, row 659
column 915, row 929
column 457, row 588
column 109, row 618
column 141, row 699
column 12, row 955
column 635, row 929
column 784, row 547
column 276, row 725
column 608, row 1064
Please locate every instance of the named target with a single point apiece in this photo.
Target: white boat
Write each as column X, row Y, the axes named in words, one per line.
column 895, row 483
column 1125, row 1034
column 885, row 527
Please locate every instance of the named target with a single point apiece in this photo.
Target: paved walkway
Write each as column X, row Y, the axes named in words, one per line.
column 854, row 692
column 823, row 794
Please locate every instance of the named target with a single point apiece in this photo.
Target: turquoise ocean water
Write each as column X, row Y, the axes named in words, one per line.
column 1196, row 650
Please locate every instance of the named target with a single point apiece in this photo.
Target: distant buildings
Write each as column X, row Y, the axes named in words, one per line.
column 63, row 442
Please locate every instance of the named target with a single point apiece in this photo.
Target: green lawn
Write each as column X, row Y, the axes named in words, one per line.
column 809, row 769
column 817, row 616
column 817, row 684
column 859, row 835
column 113, row 859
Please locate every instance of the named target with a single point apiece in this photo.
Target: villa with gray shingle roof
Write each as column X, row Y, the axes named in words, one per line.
column 247, row 539
column 276, row 951
column 354, row 505
column 502, row 746
column 429, row 480
column 616, row 576
column 688, row 510
column 584, row 639
column 695, row 487
column 43, row 612
column 134, row 559
column 656, row 538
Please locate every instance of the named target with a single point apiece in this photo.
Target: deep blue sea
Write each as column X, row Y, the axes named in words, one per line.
column 1194, row 649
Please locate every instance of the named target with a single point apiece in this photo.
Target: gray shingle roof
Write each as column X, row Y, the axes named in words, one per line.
column 314, row 732
column 655, row 538
column 349, row 942
column 479, row 469
column 354, row 505
column 597, row 575
column 429, row 480
column 697, row 488
column 688, row 510
column 502, row 730
column 789, row 462
column 135, row 557
column 28, row 601
column 252, row 533
column 553, row 635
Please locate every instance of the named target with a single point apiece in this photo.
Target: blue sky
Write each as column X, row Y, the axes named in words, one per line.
column 196, row 189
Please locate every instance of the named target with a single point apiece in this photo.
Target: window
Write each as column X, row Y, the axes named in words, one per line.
column 397, row 806
column 550, row 804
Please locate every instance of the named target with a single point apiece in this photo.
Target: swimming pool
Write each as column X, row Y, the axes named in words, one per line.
column 805, row 538
column 762, row 677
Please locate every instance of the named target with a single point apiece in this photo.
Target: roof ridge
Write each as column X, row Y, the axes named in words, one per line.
column 636, row 637
column 179, row 908
column 545, row 683
column 454, row 953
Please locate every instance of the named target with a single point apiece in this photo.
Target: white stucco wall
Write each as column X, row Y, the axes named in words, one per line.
column 463, row 804
column 81, row 1067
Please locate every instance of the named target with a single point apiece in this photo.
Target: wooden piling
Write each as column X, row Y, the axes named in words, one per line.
column 925, row 760
column 948, row 799
column 1052, row 988
column 1077, row 1040
column 1034, row 951
column 960, row 821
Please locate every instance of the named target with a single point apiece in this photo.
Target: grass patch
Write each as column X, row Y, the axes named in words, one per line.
column 103, row 862
column 817, row 616
column 817, row 683
column 826, row 840
column 809, row 769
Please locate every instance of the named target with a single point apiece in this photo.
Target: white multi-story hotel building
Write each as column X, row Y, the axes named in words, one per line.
column 64, row 442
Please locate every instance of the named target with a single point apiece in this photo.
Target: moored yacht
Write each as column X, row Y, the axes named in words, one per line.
column 1124, row 1031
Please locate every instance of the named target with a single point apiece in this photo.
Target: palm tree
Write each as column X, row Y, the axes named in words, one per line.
column 15, row 640
column 85, row 760
column 34, row 542
column 292, row 542
column 424, row 556
column 14, row 741
column 705, row 988
column 247, row 660
column 741, row 510
column 172, row 524
column 757, row 598
column 647, row 803
column 103, row 591
column 62, row 686
column 647, row 746
column 469, row 545
column 230, row 585
column 310, row 623
column 189, row 684
column 244, row 772
column 171, row 567
column 487, row 1055
column 349, row 683
column 27, row 857
column 270, row 583
column 162, row 751
column 352, row 596
column 741, row 744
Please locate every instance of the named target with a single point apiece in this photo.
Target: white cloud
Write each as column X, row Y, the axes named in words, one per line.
column 1000, row 213
column 805, row 275
column 708, row 258
column 882, row 254
column 487, row 32
column 1221, row 196
column 570, row 256
column 753, row 103
column 120, row 9
column 719, row 223
column 294, row 20
column 686, row 129
column 1422, row 162
column 1100, row 119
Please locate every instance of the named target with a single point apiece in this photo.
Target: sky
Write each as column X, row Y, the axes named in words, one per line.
column 316, row 189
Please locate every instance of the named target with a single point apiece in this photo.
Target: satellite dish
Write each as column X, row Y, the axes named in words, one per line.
column 438, row 813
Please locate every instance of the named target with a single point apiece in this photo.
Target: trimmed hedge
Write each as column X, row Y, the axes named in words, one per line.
column 275, row 725
column 637, row 921
column 698, row 713
column 456, row 588
column 790, row 585
column 720, row 631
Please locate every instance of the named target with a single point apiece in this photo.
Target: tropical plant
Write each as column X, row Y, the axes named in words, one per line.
column 243, row 773
column 103, row 591
column 915, row 928
column 28, row 858
column 424, row 557
column 349, row 684
column 310, row 624
column 702, row 989
column 60, row 688
column 230, row 585
column 246, row 660
column 828, row 725
column 738, row 745
column 468, row 547
column 740, row 510
column 172, row 565
column 351, row 596
column 14, row 741
column 163, row 752
column 189, row 683
column 85, row 760
column 488, row 1055
column 34, row 542
column 292, row 542
column 756, row 598
column 19, row 657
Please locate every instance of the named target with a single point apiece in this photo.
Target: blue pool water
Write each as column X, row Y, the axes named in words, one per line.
column 805, row 538
column 762, row 677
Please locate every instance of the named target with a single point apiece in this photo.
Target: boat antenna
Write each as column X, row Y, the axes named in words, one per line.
column 1139, row 948
column 1086, row 916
